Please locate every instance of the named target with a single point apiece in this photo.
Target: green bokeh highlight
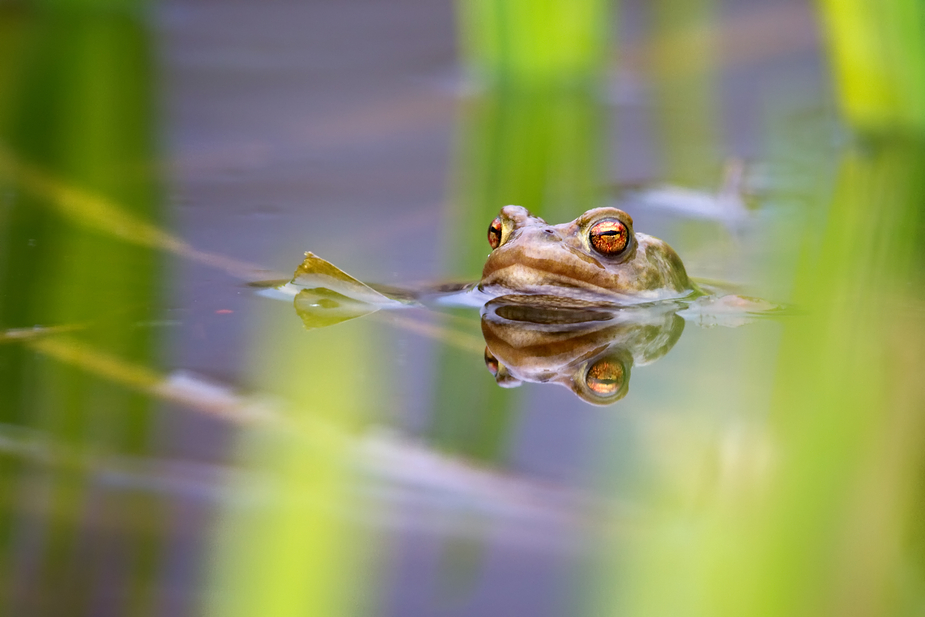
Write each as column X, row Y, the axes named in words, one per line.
column 529, row 42
column 877, row 51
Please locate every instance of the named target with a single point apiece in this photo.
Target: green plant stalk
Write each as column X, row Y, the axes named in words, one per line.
column 877, row 50
column 684, row 106
column 532, row 136
column 77, row 106
column 292, row 546
column 534, row 42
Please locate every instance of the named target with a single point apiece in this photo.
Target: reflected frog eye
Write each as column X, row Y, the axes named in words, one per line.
column 494, row 233
column 491, row 362
column 605, row 377
column 608, row 237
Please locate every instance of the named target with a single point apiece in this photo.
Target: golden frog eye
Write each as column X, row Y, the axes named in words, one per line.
column 494, row 233
column 605, row 377
column 609, row 237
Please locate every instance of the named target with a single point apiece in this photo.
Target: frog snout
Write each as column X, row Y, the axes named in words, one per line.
column 550, row 235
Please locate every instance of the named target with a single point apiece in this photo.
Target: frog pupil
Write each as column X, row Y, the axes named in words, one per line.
column 608, row 237
column 605, row 377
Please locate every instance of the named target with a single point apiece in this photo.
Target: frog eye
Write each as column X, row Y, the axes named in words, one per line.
column 494, row 233
column 491, row 362
column 608, row 237
column 605, row 377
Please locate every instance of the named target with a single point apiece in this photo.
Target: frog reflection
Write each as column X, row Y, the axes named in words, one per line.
column 589, row 349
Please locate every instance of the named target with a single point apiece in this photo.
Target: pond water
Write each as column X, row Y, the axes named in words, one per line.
column 177, row 443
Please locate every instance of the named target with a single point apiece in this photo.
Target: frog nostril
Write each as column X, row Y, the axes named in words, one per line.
column 551, row 234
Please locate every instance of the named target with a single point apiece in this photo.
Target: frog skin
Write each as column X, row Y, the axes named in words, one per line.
column 597, row 256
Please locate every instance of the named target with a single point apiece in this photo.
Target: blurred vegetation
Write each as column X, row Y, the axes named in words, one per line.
column 817, row 510
column 877, row 51
column 684, row 73
column 293, row 542
column 530, row 133
column 518, row 42
column 816, row 513
column 76, row 103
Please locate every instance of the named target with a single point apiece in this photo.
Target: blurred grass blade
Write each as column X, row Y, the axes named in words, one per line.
column 818, row 511
column 878, row 55
column 77, row 103
column 102, row 214
column 684, row 102
column 522, row 41
column 533, row 136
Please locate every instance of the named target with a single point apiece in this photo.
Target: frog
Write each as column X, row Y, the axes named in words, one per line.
column 577, row 304
column 597, row 256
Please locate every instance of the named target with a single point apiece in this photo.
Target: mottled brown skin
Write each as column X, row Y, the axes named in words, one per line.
column 535, row 257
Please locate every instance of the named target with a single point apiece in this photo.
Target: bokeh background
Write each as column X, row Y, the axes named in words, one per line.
column 174, row 443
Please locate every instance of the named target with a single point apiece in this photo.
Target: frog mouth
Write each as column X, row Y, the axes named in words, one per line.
column 552, row 278
column 547, row 278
